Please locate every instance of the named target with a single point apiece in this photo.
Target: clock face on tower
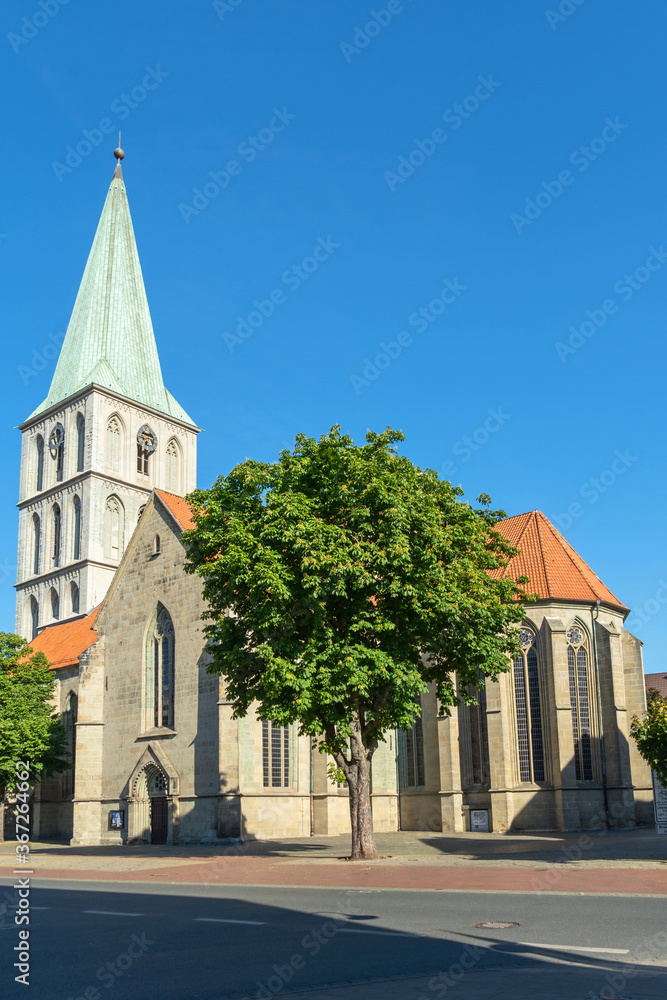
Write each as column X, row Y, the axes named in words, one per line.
column 147, row 439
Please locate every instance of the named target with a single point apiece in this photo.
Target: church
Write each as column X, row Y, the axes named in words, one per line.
column 107, row 459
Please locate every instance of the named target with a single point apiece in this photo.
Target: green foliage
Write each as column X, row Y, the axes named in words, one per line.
column 341, row 580
column 650, row 734
column 29, row 730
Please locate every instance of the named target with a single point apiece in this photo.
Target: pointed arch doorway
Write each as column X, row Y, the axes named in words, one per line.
column 152, row 811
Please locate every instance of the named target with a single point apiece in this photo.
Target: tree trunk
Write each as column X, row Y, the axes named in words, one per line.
column 361, row 813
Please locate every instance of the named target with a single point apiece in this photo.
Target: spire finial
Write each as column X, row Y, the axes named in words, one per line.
column 118, row 153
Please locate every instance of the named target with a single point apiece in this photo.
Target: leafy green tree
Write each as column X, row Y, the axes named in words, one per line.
column 341, row 580
column 29, row 729
column 650, row 734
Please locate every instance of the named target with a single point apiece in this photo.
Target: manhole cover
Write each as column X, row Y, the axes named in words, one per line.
column 496, row 925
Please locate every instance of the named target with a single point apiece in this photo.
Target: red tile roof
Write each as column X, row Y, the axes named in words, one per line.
column 63, row 644
column 555, row 570
column 178, row 507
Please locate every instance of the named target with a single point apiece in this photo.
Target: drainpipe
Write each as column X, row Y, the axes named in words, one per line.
column 595, row 613
column 398, row 784
column 312, row 787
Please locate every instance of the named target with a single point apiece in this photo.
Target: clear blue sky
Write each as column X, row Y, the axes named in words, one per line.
column 566, row 111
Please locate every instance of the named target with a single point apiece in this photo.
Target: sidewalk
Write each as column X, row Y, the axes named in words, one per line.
column 612, row 862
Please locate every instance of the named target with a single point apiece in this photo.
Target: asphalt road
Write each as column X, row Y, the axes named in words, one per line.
column 179, row 942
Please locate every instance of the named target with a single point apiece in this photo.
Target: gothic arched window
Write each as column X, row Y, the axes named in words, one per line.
column 114, row 523
column 173, row 467
column 36, row 542
column 411, row 753
column 39, row 448
column 56, row 532
column 146, row 445
column 577, row 665
column 74, row 597
column 159, row 682
column 80, row 441
column 114, row 434
column 57, row 449
column 479, row 738
column 275, row 755
column 34, row 616
column 528, row 709
column 69, row 722
column 55, row 603
column 76, row 529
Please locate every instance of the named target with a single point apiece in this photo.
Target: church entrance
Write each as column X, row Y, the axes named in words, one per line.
column 159, row 819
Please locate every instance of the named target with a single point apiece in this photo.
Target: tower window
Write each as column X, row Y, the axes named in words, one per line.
column 39, row 447
column 528, row 710
column 76, row 540
column 80, row 442
column 114, row 521
column 173, row 470
column 55, row 604
column 113, row 443
column 57, row 449
column 56, row 518
column 36, row 542
column 577, row 665
column 146, row 445
column 74, row 598
column 275, row 755
column 34, row 617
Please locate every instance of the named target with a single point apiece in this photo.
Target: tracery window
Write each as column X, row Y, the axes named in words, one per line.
column 69, row 722
column 36, row 542
column 56, row 529
column 411, row 753
column 577, row 665
column 530, row 739
column 275, row 755
column 114, row 432
column 146, row 445
column 39, row 447
column 80, row 441
column 173, row 457
column 114, row 523
column 160, row 670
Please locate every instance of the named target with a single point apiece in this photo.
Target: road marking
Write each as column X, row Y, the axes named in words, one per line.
column 221, row 920
column 40, row 907
column 358, row 930
column 112, row 913
column 574, row 947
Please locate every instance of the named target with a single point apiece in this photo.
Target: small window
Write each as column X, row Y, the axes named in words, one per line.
column 113, row 444
column 74, row 598
column 76, row 539
column 57, row 533
column 55, row 604
column 173, row 470
column 114, row 528
column 146, row 445
column 156, row 546
column 57, row 450
column 36, row 542
column 34, row 617
column 140, row 512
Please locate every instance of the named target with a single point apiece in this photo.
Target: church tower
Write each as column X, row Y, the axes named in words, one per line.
column 105, row 436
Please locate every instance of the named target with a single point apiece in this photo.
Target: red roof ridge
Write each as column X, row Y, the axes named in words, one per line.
column 178, row 507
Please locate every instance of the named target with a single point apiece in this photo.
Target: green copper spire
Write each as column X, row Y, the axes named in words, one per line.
column 110, row 339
